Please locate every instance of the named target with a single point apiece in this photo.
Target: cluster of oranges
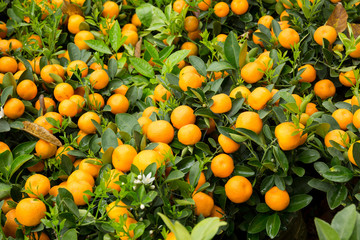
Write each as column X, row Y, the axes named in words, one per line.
column 79, row 90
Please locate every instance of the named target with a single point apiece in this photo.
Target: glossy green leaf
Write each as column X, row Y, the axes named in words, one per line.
column 273, row 225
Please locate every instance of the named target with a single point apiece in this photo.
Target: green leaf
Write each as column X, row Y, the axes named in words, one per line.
column 115, row 36
column 207, row 228
column 142, row 66
column 219, row 66
column 244, row 171
column 198, row 64
column 338, row 174
column 243, row 54
column 98, row 45
column 180, row 231
column 308, row 156
column 258, row 224
column 273, row 225
column 174, row 59
column 174, row 175
column 109, row 139
column 23, row 148
column 232, row 50
column 151, row 50
column 281, row 158
column 70, row 234
column 344, row 222
column 74, row 52
column 4, row 190
column 4, row 126
column 18, row 162
column 127, row 123
column 298, row 202
column 336, row 195
column 325, row 231
column 144, row 14
column 6, row 93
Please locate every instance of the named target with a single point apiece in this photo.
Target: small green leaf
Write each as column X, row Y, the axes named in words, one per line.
column 232, row 50
column 325, row 231
column 98, row 45
column 142, row 66
column 219, row 66
column 298, row 202
column 273, row 225
column 198, row 64
column 258, row 223
column 115, row 36
column 207, row 228
column 18, row 162
column 344, row 222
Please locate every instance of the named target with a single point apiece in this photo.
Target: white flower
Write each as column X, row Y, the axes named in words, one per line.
column 134, row 187
column 136, row 181
column 141, row 219
column 151, row 232
column 139, row 177
column 142, row 206
column 123, row 183
column 147, row 179
column 152, row 187
column 1, row 113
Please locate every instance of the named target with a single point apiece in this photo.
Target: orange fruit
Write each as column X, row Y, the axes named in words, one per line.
column 249, row 120
column 85, row 124
column 189, row 79
column 239, row 7
column 160, row 92
column 30, row 211
column 64, row 151
column 135, row 20
column 77, row 190
column 132, row 37
column 221, row 103
column 81, row 176
column 190, row 46
column 227, row 144
column 221, row 37
column 356, row 119
column 182, row 115
column 128, row 26
column 277, row 199
column 129, row 233
column 96, row 101
column 189, row 134
column 88, row 166
column 343, row 117
column 338, row 136
column 10, row 225
column 6, row 207
column 123, row 156
column 74, row 23
column 238, row 189
column 106, row 25
column 77, row 64
column 45, row 149
column 80, row 135
column 45, row 73
column 265, row 61
column 348, row 78
column 191, row 23
column 79, row 101
column 222, row 165
column 15, row 44
column 311, row 109
column 99, row 79
column 113, row 179
column 42, row 121
column 149, row 110
column 118, row 103
column 160, row 131
column 81, row 37
column 266, row 21
column 68, row 108
column 116, row 209
column 221, row 9
column 54, row 115
column 38, row 185
column 308, row 75
column 4, row 46
column 27, row 89
column 217, row 212
column 35, row 40
column 121, row 90
column 204, row 5
column 327, row 32
column 350, row 154
column 4, row 147
column 147, row 157
column 203, row 204
column 8, row 64
column 259, row 97
column 252, row 72
column 288, row 38
column 3, row 30
column 288, row 136
column 144, row 123
column 171, row 235
column 164, row 150
column 63, row 91
column 179, row 5
column 324, row 89
column 240, row 91
column 110, row 9
column 356, row 53
column 14, row 108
